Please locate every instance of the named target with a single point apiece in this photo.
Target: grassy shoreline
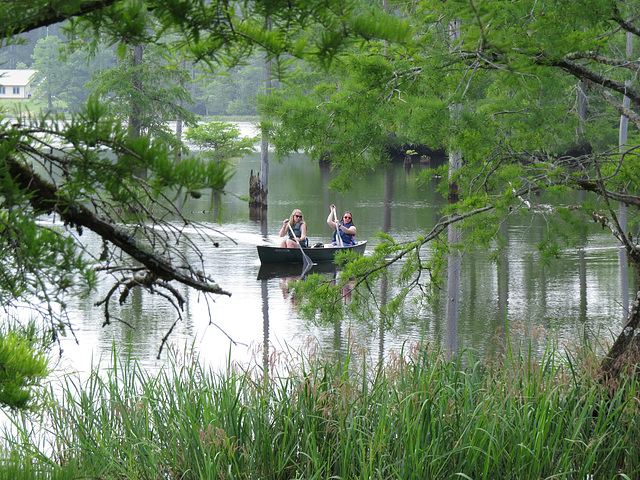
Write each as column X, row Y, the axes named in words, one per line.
column 421, row 415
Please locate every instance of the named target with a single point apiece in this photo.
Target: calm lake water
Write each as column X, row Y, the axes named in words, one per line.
column 578, row 295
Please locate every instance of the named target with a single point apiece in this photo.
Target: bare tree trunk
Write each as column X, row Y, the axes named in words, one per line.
column 454, row 263
column 384, row 281
column 264, row 169
column 261, row 184
column 622, row 207
column 454, row 233
column 135, row 123
column 179, row 124
column 264, row 290
column 582, row 108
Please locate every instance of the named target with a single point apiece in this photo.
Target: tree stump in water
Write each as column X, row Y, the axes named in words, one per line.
column 257, row 195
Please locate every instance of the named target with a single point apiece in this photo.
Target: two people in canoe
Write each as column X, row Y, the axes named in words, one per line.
column 298, row 231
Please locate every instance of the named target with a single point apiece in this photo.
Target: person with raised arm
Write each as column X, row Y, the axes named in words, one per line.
column 345, row 227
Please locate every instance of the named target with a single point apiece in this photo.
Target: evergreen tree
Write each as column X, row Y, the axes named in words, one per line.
column 147, row 92
column 62, row 75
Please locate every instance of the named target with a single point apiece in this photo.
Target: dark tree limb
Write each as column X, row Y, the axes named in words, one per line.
column 584, row 73
column 46, row 198
column 592, row 186
column 52, row 13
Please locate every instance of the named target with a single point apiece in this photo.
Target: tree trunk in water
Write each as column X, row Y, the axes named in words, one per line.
column 264, row 290
column 622, row 208
column 260, row 185
column 454, row 263
column 264, row 169
column 454, row 232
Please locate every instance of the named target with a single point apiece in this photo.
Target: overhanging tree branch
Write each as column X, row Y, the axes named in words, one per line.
column 52, row 13
column 618, row 106
column 613, row 62
column 46, row 198
column 592, row 186
column 583, row 73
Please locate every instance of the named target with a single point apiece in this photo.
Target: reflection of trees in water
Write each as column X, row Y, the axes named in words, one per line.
column 384, row 280
column 622, row 262
column 284, row 286
column 454, row 264
column 347, row 290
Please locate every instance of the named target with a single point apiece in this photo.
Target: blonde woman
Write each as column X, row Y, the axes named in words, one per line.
column 299, row 228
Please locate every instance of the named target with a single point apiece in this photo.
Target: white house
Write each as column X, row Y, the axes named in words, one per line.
column 16, row 84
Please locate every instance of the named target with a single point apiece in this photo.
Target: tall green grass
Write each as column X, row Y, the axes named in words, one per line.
column 420, row 415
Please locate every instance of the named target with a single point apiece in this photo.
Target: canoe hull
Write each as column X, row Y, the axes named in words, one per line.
column 326, row 253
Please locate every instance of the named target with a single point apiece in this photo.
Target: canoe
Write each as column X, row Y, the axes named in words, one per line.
column 325, row 253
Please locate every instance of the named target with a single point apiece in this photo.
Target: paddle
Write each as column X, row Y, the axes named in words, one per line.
column 306, row 261
column 338, row 236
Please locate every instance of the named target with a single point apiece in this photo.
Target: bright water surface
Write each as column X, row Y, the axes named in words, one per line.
column 578, row 295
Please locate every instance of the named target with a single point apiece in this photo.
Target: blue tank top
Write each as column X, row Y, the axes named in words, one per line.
column 347, row 239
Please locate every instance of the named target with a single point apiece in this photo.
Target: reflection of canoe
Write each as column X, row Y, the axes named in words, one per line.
column 281, row 270
column 270, row 254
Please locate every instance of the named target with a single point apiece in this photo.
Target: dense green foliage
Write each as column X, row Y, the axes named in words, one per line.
column 224, row 80
column 519, row 101
column 418, row 416
column 23, row 366
column 91, row 178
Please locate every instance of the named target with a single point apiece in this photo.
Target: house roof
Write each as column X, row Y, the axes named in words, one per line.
column 10, row 78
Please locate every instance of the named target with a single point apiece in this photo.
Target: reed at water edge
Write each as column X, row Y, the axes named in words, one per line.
column 420, row 415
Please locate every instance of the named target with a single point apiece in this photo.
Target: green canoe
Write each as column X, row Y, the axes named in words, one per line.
column 319, row 254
